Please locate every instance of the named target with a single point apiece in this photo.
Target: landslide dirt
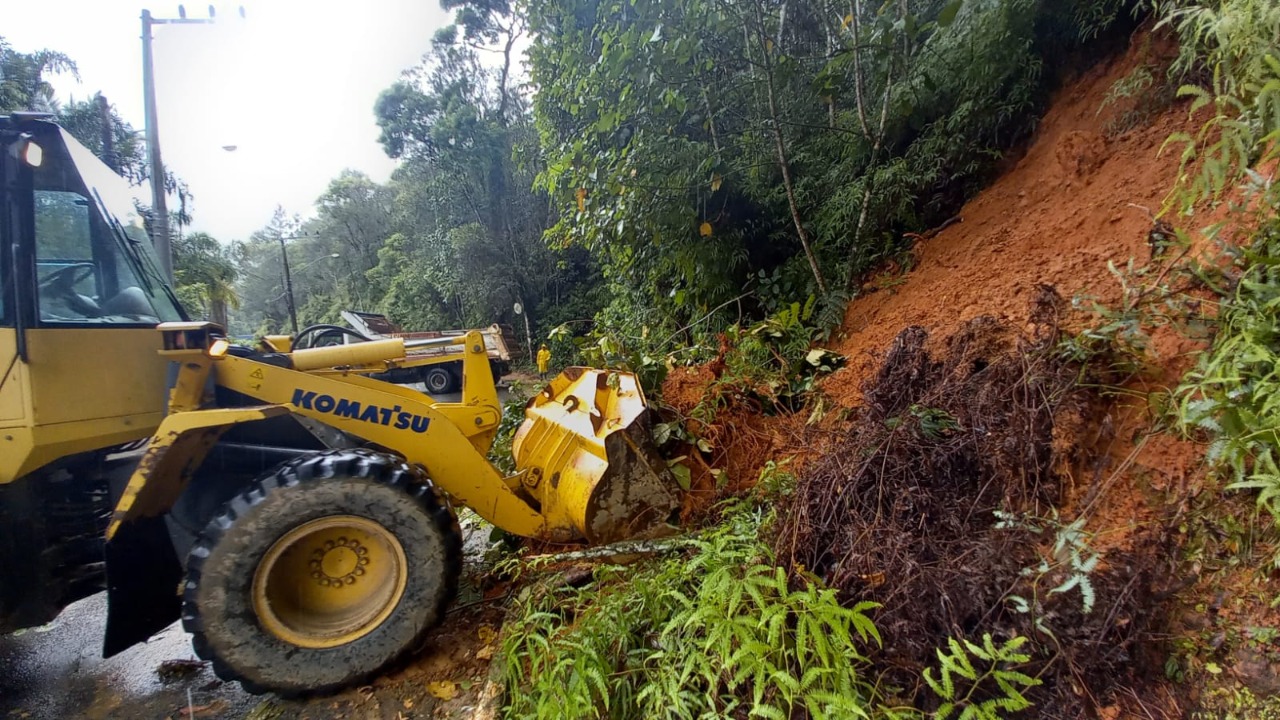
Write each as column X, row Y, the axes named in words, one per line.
column 1081, row 197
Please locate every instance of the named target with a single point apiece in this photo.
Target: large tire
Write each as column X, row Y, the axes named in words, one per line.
column 253, row 609
column 438, row 380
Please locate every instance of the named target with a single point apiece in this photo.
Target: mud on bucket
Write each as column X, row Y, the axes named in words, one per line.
column 585, row 455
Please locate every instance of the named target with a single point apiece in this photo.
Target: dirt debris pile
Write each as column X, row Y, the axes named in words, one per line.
column 939, row 504
column 1082, row 196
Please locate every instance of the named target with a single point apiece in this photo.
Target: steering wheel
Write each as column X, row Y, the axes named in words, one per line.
column 64, row 279
column 61, row 284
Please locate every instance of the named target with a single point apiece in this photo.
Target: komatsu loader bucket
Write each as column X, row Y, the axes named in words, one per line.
column 585, row 453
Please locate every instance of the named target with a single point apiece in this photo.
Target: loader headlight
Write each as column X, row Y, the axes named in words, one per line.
column 187, row 338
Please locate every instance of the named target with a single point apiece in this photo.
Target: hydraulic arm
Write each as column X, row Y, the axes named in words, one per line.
column 584, row 466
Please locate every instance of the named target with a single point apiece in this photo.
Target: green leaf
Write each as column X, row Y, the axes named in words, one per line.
column 661, row 433
column 949, row 12
column 682, row 474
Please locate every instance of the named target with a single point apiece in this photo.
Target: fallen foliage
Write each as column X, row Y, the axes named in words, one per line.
column 940, row 502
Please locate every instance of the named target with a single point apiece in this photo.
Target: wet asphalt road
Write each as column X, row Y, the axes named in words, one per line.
column 57, row 671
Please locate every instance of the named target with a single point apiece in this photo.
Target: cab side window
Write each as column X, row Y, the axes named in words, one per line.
column 67, row 277
column 81, row 273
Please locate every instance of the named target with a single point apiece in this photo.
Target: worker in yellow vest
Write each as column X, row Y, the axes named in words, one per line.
column 544, row 359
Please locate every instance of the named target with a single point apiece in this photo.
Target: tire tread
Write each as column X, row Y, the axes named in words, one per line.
column 358, row 463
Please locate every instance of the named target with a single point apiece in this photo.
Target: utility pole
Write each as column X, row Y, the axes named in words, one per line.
column 159, row 208
column 288, row 277
column 159, row 205
column 288, row 286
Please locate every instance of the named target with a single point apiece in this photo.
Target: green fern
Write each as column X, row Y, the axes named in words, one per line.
column 1233, row 394
column 1236, row 44
column 1071, row 557
column 1229, row 61
column 718, row 633
column 980, row 682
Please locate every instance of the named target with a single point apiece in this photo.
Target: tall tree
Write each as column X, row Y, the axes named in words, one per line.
column 206, row 274
column 125, row 151
column 465, row 193
column 24, row 84
column 709, row 149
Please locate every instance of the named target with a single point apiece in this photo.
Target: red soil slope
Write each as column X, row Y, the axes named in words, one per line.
column 1081, row 197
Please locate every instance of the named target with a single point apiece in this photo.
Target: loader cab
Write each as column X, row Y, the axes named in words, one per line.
column 80, row 294
column 91, row 253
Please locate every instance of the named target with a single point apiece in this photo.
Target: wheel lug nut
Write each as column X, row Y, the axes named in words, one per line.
column 364, row 561
column 342, row 541
column 351, row 580
column 328, row 544
column 316, row 575
column 361, row 551
column 315, row 564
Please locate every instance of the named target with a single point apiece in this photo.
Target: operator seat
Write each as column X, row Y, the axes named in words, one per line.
column 130, row 303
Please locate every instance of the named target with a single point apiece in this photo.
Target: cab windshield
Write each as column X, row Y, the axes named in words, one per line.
column 94, row 262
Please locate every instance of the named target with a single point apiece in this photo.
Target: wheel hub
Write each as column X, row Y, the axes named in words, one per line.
column 329, row 581
column 339, row 562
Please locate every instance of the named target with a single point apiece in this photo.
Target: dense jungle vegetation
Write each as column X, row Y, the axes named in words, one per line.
column 663, row 170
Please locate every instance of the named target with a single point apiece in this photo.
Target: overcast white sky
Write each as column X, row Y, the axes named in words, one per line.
column 292, row 87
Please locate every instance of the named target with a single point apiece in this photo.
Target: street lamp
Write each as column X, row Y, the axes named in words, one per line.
column 159, row 204
column 330, row 256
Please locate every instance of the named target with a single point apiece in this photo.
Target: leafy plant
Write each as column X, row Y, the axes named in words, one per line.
column 1233, row 42
column 1146, row 91
column 1230, row 52
column 512, row 416
column 1071, row 562
column 980, row 682
column 776, row 481
column 1233, row 394
column 934, row 423
column 717, row 633
column 1237, row 703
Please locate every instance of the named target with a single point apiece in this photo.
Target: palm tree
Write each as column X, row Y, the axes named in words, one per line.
column 206, row 275
column 22, row 78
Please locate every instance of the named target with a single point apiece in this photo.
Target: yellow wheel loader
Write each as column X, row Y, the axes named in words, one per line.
column 295, row 513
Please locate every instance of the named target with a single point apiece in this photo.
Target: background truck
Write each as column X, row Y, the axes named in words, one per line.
column 296, row 514
column 441, row 377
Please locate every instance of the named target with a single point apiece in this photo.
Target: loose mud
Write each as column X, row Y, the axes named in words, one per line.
column 1078, row 199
